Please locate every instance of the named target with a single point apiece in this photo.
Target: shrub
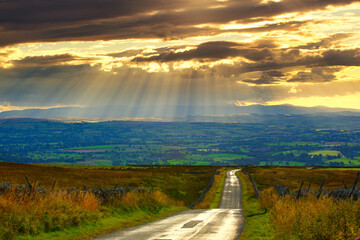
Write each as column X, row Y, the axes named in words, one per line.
column 313, row 219
column 32, row 213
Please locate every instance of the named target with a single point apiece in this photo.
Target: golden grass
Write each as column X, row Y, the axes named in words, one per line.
column 291, row 177
column 31, row 213
column 311, row 218
column 182, row 183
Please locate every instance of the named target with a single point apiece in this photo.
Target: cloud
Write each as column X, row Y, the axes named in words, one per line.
column 127, row 53
column 316, row 75
column 350, row 57
column 270, row 77
column 51, row 60
column 6, row 53
column 72, row 20
column 327, row 42
column 210, row 50
column 262, row 56
column 85, row 85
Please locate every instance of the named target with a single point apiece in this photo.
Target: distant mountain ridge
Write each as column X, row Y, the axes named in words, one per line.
column 116, row 112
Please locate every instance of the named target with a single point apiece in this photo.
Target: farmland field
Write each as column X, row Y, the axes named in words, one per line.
column 287, row 141
column 326, row 152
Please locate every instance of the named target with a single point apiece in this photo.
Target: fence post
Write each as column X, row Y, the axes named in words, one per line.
column 53, row 186
column 257, row 194
column 28, row 182
column 354, row 185
column 299, row 190
column 308, row 189
column 320, row 188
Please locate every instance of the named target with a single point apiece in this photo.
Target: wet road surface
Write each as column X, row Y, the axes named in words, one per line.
column 225, row 222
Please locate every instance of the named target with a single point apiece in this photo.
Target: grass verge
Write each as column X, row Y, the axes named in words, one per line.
column 218, row 193
column 213, row 196
column 257, row 219
column 106, row 225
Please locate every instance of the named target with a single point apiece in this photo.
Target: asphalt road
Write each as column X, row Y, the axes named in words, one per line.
column 226, row 222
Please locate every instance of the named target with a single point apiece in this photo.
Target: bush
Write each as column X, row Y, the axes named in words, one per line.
column 30, row 213
column 311, row 218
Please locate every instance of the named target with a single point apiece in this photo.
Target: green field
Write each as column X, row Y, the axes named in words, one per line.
column 285, row 163
column 346, row 161
column 122, row 143
column 296, row 144
column 326, row 152
column 222, row 156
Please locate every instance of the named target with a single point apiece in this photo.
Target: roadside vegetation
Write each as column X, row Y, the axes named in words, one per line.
column 213, row 196
column 70, row 212
column 267, row 177
column 308, row 217
column 32, row 213
column 257, row 218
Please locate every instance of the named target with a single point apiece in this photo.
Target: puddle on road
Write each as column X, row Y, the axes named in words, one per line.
column 191, row 224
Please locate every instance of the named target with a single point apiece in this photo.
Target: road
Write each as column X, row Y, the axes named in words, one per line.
column 225, row 222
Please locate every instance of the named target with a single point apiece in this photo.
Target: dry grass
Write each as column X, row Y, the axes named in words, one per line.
column 308, row 218
column 31, row 213
column 291, row 177
column 183, row 183
column 311, row 218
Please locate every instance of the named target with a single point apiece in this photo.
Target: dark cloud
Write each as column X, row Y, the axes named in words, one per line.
column 316, row 75
column 270, row 77
column 27, row 85
column 50, row 60
column 49, row 21
column 210, row 50
column 349, row 57
column 274, row 63
column 326, row 42
column 295, row 58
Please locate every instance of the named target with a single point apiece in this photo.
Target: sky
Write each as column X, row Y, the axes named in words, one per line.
column 161, row 53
